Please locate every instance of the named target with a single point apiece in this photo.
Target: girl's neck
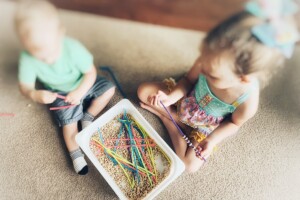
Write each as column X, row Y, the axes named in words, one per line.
column 229, row 95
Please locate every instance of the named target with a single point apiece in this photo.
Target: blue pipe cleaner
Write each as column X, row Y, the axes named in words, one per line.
column 109, row 157
column 110, row 71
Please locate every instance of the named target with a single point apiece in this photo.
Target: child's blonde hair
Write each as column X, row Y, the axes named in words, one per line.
column 249, row 54
column 33, row 17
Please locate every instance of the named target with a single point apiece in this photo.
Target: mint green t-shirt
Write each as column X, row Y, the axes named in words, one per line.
column 65, row 74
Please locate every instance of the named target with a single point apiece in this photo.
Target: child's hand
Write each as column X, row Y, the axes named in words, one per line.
column 43, row 96
column 155, row 99
column 206, row 148
column 74, row 97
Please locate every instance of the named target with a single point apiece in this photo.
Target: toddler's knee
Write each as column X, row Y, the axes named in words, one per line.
column 191, row 167
column 141, row 92
column 109, row 93
column 190, row 170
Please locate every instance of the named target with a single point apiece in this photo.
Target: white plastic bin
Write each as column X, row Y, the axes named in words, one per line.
column 83, row 140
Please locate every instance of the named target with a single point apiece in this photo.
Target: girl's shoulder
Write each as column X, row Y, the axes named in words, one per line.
column 251, row 90
column 248, row 108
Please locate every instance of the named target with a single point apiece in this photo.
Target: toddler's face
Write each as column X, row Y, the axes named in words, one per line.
column 44, row 45
column 218, row 71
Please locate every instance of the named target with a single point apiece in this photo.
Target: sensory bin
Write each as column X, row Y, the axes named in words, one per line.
column 130, row 156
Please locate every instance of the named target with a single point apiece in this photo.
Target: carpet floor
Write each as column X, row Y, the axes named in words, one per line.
column 261, row 162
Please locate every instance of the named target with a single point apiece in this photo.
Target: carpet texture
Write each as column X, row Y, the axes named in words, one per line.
column 261, row 162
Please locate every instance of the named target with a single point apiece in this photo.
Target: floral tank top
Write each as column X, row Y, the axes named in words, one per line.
column 202, row 110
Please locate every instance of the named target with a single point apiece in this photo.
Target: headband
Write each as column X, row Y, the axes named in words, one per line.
column 278, row 29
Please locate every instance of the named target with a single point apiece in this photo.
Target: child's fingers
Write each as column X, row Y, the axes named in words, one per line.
column 156, row 101
column 68, row 99
column 205, row 153
column 150, row 97
column 202, row 155
column 152, row 101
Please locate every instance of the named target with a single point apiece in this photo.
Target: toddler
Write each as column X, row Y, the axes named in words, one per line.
column 220, row 92
column 66, row 70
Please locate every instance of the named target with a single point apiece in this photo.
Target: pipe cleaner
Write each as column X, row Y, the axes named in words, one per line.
column 110, row 71
column 189, row 143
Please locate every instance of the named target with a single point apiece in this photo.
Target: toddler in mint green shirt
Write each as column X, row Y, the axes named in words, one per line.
column 64, row 67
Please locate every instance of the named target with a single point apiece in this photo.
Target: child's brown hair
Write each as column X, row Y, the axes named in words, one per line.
column 249, row 54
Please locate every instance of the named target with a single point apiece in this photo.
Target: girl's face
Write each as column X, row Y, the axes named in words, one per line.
column 219, row 71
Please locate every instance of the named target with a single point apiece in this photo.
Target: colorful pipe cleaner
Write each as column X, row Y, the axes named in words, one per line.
column 138, row 143
column 190, row 144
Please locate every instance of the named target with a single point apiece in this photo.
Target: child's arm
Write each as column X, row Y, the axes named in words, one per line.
column 181, row 89
column 186, row 83
column 40, row 96
column 229, row 127
column 89, row 79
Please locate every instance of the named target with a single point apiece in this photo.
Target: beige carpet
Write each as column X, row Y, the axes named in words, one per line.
column 261, row 162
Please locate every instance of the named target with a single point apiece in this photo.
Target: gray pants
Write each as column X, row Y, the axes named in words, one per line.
column 75, row 113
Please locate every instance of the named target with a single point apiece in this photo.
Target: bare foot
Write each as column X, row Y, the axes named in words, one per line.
column 150, row 109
